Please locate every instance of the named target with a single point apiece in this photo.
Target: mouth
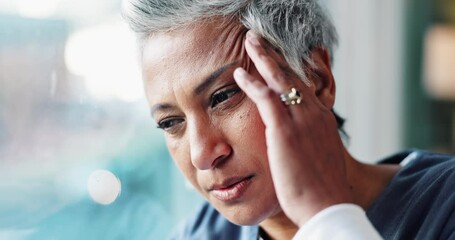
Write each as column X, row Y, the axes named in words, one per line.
column 231, row 189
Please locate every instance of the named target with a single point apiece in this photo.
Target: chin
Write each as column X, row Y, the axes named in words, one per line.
column 249, row 214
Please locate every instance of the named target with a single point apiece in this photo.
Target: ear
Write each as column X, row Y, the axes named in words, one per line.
column 320, row 74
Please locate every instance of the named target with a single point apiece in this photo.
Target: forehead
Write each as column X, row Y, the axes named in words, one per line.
column 175, row 58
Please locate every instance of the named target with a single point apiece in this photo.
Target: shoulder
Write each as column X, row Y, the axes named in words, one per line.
column 419, row 199
column 431, row 171
column 423, row 175
column 208, row 223
column 421, row 167
column 425, row 160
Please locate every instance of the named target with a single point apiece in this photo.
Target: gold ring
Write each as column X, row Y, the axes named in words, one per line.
column 292, row 97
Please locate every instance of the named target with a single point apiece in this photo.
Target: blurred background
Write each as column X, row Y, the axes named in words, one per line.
column 71, row 103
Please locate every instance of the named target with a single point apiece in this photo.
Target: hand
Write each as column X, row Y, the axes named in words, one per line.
column 305, row 152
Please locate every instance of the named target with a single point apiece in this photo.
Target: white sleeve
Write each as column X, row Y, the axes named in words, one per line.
column 341, row 221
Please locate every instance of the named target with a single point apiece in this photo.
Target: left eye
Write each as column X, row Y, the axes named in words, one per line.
column 222, row 96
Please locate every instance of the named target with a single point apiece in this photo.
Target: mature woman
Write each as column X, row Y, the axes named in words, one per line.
column 244, row 92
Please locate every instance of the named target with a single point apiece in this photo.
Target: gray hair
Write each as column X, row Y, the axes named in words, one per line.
column 292, row 26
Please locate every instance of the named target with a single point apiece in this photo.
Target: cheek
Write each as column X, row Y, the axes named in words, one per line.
column 253, row 129
column 180, row 154
column 248, row 133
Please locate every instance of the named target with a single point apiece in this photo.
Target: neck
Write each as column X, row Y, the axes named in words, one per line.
column 279, row 227
column 367, row 181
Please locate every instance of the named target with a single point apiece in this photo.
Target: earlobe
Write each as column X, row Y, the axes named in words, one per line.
column 320, row 74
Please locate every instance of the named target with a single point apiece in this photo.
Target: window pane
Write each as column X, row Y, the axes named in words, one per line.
column 71, row 103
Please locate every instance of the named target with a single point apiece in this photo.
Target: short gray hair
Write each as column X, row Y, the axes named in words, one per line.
column 292, row 26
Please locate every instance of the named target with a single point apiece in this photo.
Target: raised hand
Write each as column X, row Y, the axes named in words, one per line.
column 305, row 151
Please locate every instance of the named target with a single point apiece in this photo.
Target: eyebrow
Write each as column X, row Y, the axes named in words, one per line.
column 198, row 89
column 211, row 78
column 159, row 107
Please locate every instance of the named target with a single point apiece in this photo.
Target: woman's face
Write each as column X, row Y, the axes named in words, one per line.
column 213, row 131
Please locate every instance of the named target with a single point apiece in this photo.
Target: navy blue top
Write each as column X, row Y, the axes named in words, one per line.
column 418, row 203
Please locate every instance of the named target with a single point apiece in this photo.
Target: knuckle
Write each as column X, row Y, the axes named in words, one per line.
column 278, row 76
column 265, row 59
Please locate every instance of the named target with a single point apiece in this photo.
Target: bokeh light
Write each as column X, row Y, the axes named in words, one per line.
column 103, row 186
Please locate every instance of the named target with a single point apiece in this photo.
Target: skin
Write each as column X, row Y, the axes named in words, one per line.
column 293, row 154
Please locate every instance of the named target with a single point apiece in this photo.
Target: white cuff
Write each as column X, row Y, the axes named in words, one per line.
column 341, row 221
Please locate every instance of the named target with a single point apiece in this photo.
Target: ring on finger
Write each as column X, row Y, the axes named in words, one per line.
column 292, row 97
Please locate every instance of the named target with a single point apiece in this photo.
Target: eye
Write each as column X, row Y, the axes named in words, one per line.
column 223, row 95
column 169, row 124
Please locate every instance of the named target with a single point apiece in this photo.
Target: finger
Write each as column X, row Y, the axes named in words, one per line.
column 271, row 64
column 267, row 101
column 268, row 48
column 277, row 73
column 266, row 65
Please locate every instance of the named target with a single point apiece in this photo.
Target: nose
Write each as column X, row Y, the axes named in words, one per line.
column 208, row 146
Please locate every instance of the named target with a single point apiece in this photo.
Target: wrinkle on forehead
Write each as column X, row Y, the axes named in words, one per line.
column 195, row 51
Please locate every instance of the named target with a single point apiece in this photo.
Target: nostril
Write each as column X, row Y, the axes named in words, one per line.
column 221, row 160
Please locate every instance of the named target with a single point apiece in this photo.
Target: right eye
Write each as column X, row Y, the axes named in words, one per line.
column 169, row 124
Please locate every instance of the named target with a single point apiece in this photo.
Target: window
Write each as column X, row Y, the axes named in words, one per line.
column 71, row 103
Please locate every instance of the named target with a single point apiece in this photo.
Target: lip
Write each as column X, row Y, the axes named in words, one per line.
column 231, row 189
